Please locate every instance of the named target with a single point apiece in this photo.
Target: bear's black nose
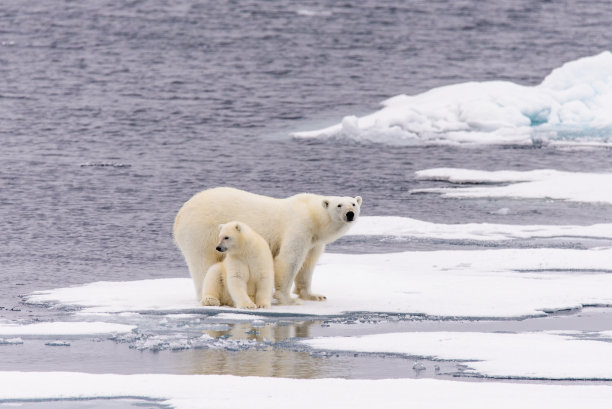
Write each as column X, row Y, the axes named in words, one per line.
column 350, row 216
column 220, row 249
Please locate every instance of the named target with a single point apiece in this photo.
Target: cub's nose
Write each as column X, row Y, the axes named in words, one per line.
column 220, row 249
column 350, row 216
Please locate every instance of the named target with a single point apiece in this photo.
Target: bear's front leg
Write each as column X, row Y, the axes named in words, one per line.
column 286, row 266
column 265, row 288
column 303, row 280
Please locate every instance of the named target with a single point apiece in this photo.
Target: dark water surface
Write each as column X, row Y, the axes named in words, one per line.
column 113, row 113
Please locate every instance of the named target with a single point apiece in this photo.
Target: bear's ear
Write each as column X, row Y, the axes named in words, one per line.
column 358, row 198
column 325, row 203
column 238, row 227
column 220, row 227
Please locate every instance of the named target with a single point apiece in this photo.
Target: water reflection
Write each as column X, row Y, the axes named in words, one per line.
column 271, row 332
column 270, row 350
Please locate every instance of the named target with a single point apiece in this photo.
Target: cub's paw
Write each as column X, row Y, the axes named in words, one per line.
column 209, row 300
column 263, row 305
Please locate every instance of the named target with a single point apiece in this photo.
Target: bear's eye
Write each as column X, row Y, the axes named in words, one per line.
column 339, row 205
column 226, row 238
column 353, row 204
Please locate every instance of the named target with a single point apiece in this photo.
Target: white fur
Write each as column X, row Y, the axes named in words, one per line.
column 245, row 275
column 296, row 228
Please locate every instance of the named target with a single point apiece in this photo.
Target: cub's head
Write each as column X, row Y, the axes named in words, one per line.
column 343, row 209
column 230, row 236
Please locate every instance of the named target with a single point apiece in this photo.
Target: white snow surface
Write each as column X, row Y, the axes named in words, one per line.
column 407, row 227
column 549, row 355
column 228, row 392
column 534, row 184
column 64, row 328
column 468, row 283
column 571, row 104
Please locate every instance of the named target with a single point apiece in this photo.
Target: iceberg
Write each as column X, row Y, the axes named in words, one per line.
column 572, row 104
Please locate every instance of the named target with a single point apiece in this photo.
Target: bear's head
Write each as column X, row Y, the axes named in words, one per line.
column 230, row 236
column 342, row 209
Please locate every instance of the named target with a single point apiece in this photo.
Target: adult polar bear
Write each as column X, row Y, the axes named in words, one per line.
column 297, row 229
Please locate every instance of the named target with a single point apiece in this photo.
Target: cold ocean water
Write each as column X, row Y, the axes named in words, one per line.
column 112, row 114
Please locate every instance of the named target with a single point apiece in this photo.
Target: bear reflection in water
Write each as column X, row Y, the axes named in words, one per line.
column 264, row 355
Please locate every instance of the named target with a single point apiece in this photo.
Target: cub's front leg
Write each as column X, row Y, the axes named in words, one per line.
column 265, row 288
column 237, row 275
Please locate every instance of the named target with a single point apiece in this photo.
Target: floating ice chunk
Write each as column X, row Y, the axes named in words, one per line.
column 418, row 367
column 11, row 341
column 550, row 355
column 406, row 227
column 57, row 344
column 64, row 328
column 535, row 184
column 573, row 102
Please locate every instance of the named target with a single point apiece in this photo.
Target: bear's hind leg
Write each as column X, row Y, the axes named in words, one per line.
column 212, row 287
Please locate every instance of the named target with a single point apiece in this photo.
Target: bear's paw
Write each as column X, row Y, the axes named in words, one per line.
column 210, row 301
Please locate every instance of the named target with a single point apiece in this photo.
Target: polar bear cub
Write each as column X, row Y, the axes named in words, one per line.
column 245, row 278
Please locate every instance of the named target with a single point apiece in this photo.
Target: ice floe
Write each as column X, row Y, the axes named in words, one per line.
column 571, row 104
column 547, row 355
column 535, row 184
column 468, row 283
column 64, row 328
column 220, row 392
column 406, row 227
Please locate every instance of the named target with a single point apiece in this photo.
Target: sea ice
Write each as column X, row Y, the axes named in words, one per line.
column 406, row 227
column 220, row 391
column 550, row 355
column 64, row 328
column 468, row 283
column 572, row 103
column 11, row 341
column 534, row 184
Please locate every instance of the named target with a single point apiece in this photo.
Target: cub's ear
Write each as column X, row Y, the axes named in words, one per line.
column 238, row 227
column 358, row 198
column 221, row 226
column 325, row 203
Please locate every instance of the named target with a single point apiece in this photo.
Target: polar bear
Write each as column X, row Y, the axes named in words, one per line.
column 297, row 228
column 246, row 274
